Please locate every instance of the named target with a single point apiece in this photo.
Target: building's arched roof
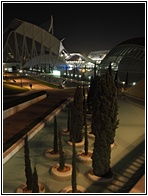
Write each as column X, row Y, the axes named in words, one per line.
column 26, row 41
column 128, row 56
column 135, row 41
column 78, row 55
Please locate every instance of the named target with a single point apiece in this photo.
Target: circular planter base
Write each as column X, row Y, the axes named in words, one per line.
column 88, row 125
column 89, row 115
column 49, row 153
column 65, row 132
column 84, row 158
column 91, row 135
column 23, row 188
column 77, row 144
column 98, row 179
column 113, row 146
column 65, row 174
column 68, row 189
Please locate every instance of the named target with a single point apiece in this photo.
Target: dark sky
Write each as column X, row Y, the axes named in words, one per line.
column 85, row 26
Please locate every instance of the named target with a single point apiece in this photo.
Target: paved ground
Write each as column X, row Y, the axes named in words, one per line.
column 127, row 159
column 20, row 120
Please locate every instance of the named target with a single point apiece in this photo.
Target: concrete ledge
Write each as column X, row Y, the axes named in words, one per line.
column 11, row 111
column 20, row 143
column 139, row 187
column 134, row 97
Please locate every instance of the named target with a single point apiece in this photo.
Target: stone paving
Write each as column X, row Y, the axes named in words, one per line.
column 127, row 159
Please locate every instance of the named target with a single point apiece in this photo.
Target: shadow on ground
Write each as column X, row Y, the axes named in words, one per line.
column 127, row 172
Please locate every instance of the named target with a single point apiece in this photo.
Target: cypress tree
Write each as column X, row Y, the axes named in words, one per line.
column 116, row 79
column 77, row 116
column 69, row 118
column 61, row 159
column 90, row 94
column 113, row 110
column 126, row 80
column 55, row 142
column 104, row 122
column 35, row 188
column 28, row 170
column 74, row 183
column 95, row 111
column 85, row 124
column 100, row 126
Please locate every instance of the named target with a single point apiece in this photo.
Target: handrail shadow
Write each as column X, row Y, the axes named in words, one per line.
column 127, row 173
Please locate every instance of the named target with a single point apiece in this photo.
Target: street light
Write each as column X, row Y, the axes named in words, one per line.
column 21, row 76
column 6, row 71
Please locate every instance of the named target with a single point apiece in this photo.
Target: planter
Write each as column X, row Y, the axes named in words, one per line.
column 23, row 188
column 98, row 179
column 50, row 154
column 65, row 174
column 77, row 144
column 65, row 132
column 88, row 125
column 113, row 146
column 90, row 134
column 68, row 189
column 89, row 115
column 84, row 158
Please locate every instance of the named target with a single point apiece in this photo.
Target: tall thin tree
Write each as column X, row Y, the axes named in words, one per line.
column 28, row 170
column 101, row 123
column 73, row 179
column 55, row 142
column 104, row 122
column 35, row 187
column 69, row 118
column 85, row 124
column 77, row 116
column 61, row 152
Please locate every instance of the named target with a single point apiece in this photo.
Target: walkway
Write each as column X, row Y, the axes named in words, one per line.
column 127, row 159
column 19, row 121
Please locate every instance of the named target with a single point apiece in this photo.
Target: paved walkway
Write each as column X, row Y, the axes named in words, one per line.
column 127, row 160
column 14, row 124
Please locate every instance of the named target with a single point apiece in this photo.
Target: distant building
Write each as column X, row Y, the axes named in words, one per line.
column 29, row 47
column 128, row 58
column 98, row 56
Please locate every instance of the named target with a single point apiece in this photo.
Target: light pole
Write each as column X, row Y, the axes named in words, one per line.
column 21, row 77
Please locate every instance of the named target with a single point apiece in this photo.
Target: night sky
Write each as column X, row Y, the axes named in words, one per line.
column 85, row 26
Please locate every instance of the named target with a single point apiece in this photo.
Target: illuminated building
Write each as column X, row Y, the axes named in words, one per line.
column 128, row 58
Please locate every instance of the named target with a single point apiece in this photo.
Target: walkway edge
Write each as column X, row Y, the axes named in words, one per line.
column 20, row 143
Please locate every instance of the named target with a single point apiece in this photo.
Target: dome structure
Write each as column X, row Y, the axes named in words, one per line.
column 128, row 58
